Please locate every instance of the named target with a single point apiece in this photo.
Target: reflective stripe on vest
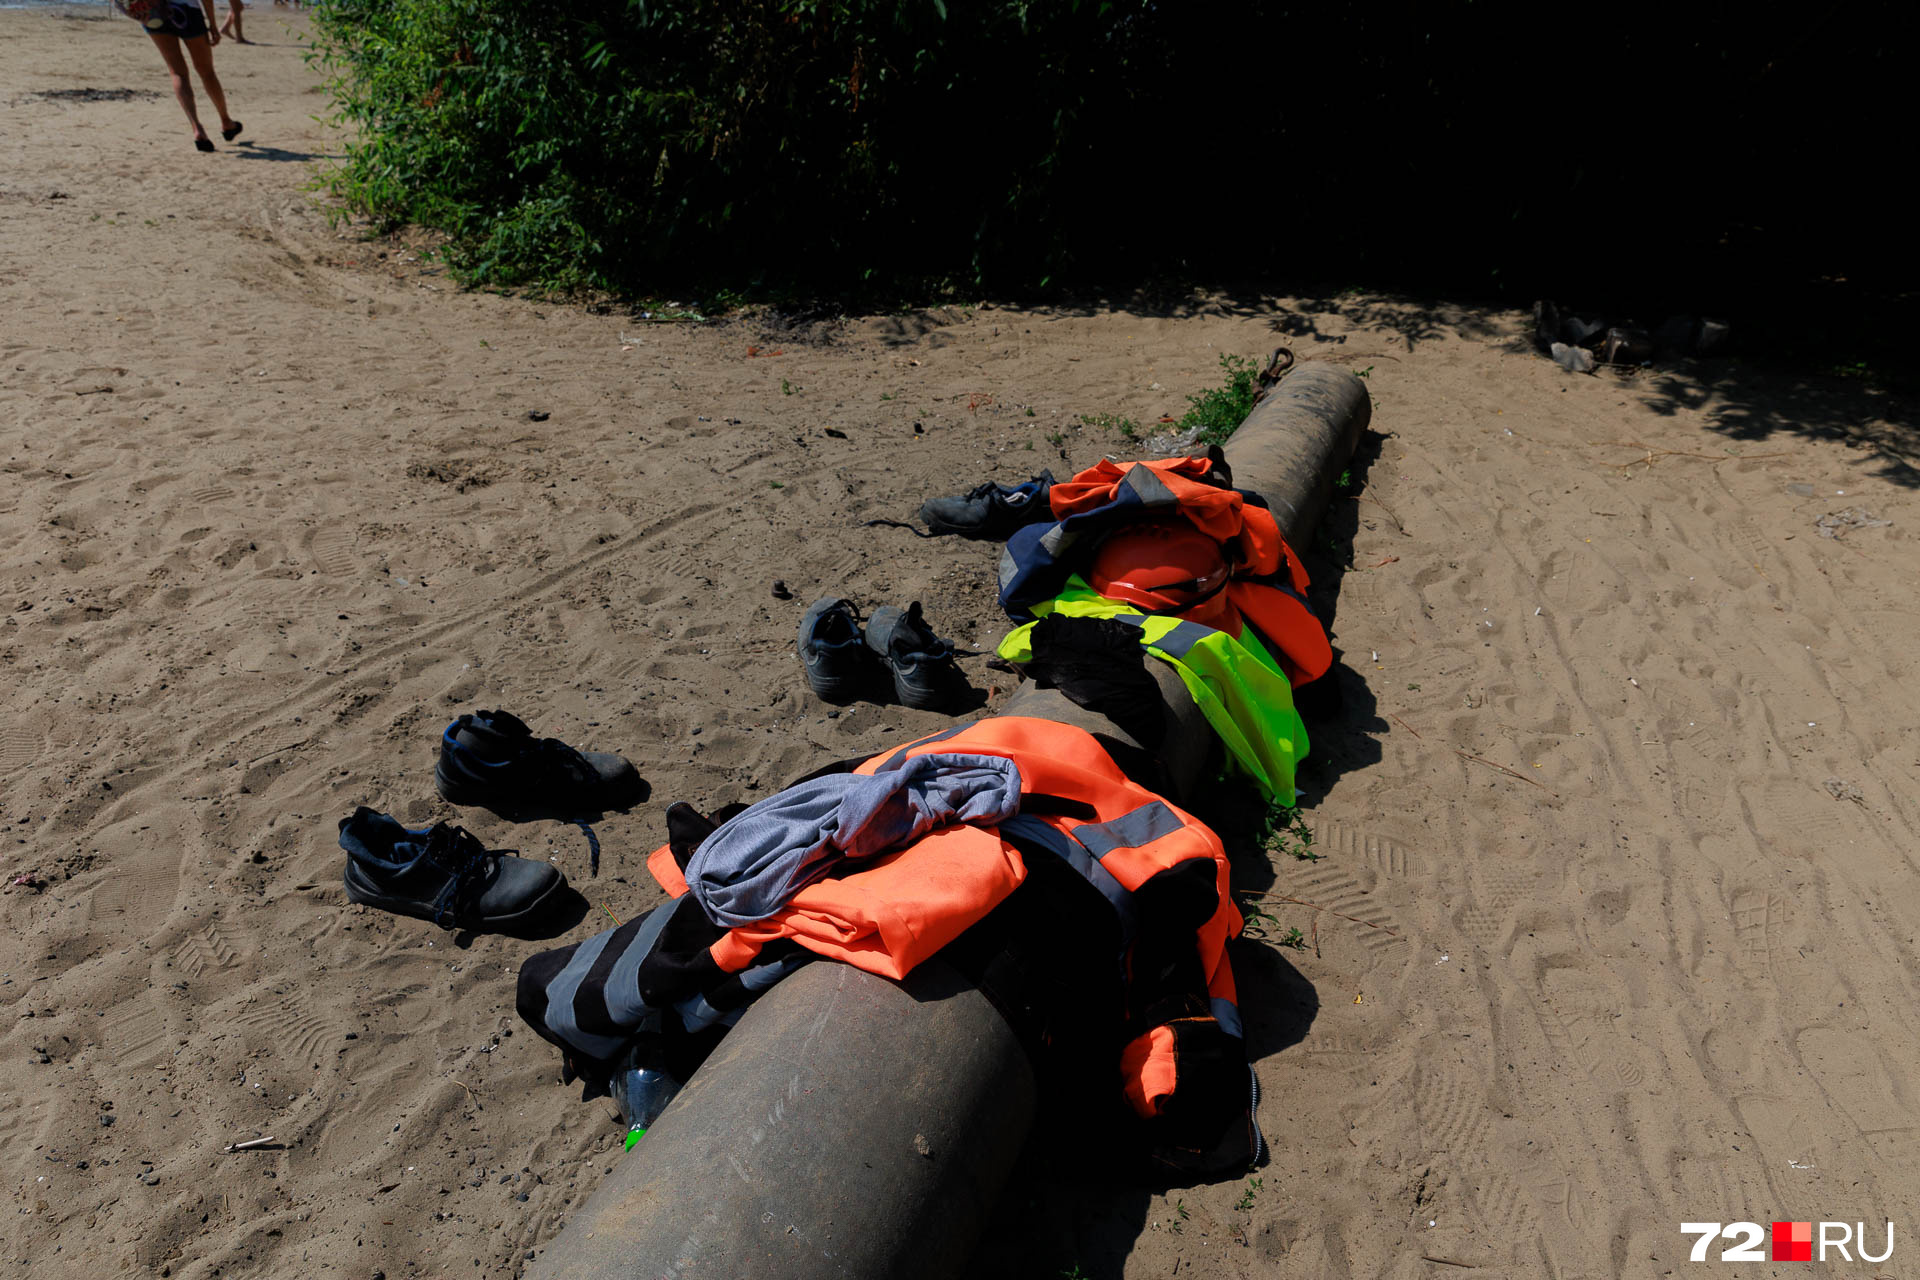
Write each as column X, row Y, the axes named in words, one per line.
column 1144, row 825
column 1176, row 641
column 1081, row 859
column 1227, row 1014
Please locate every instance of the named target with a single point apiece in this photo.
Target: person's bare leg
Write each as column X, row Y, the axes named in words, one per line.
column 202, row 54
column 232, row 26
column 169, row 46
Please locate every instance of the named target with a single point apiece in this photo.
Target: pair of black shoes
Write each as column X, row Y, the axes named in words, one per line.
column 443, row 873
column 847, row 659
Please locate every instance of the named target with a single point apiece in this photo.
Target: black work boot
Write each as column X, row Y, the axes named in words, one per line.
column 990, row 510
column 442, row 873
column 492, row 760
column 925, row 675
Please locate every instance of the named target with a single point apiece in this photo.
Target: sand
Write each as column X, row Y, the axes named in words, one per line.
column 1617, row 819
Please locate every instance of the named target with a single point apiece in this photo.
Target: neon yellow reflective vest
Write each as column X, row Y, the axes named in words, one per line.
column 1236, row 683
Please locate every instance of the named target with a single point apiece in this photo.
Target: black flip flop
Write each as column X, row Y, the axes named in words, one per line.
column 203, row 144
column 233, row 131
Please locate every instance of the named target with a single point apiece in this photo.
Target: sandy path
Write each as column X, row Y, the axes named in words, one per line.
column 1654, row 967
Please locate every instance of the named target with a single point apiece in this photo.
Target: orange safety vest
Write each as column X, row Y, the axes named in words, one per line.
column 903, row 907
column 1269, row 583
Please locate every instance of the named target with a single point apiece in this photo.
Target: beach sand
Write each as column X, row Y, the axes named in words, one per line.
column 1614, row 923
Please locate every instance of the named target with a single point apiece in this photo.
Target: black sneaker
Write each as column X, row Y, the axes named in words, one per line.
column 443, row 874
column 991, row 510
column 840, row 667
column 491, row 759
column 924, row 673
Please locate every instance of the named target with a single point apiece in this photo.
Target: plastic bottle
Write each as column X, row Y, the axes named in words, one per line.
column 642, row 1088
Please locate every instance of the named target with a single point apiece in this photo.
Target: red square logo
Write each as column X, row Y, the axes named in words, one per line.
column 1793, row 1242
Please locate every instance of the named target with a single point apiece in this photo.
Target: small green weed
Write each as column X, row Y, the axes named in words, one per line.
column 1056, row 438
column 1177, row 1223
column 1129, row 429
column 1213, row 415
column 1293, row 938
column 1285, row 830
column 776, row 484
column 1245, row 1202
column 1364, row 373
column 1413, row 688
column 1030, row 412
column 1218, row 413
column 886, row 395
column 1255, row 919
column 1029, row 446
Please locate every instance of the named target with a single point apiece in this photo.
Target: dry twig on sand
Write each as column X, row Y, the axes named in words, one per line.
column 1302, row 902
column 1654, row 455
column 1511, row 773
column 1397, row 522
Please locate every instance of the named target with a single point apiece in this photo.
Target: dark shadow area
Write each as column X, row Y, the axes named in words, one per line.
column 1062, row 1214
column 1277, row 1002
column 94, row 95
column 1751, row 404
column 1342, row 715
column 250, row 150
column 1078, row 1200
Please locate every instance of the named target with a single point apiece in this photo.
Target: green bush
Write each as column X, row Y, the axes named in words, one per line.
column 642, row 145
column 631, row 143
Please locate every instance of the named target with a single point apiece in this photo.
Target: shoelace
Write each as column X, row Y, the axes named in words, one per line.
column 458, row 852
column 563, row 759
column 1009, row 495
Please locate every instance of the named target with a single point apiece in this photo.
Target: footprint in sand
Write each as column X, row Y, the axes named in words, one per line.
column 137, row 892
column 204, row 952
column 1354, row 864
column 209, row 495
column 20, row 746
column 1759, row 924
column 1854, row 1071
column 331, row 550
column 293, row 1033
column 135, row 1032
column 1789, row 1136
column 1492, row 895
column 1578, row 1001
column 1456, row 1120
